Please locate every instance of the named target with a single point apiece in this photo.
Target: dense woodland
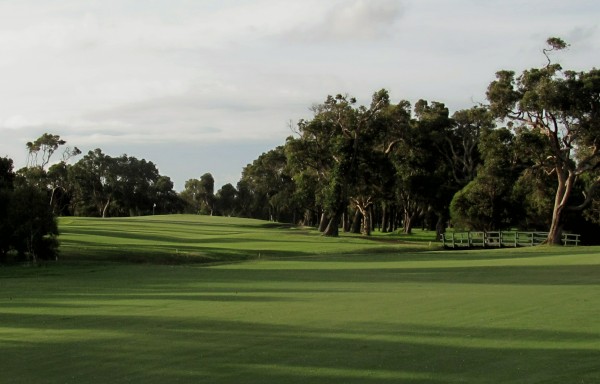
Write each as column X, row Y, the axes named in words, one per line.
column 528, row 159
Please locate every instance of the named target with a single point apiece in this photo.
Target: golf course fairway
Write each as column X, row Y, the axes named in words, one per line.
column 272, row 304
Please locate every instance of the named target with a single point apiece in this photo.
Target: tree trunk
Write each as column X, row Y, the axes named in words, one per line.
column 323, row 222
column 440, row 227
column 105, row 208
column 346, row 222
column 306, row 221
column 566, row 180
column 356, row 222
column 332, row 229
column 393, row 218
column 384, row 219
column 409, row 221
column 366, row 225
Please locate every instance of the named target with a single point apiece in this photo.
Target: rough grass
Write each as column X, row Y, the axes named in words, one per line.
column 486, row 316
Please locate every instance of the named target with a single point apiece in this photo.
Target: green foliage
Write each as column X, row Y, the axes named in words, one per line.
column 42, row 149
column 533, row 193
column 481, row 205
column 226, row 200
column 269, row 187
column 564, row 107
column 34, row 225
column 121, row 186
column 27, row 224
column 487, row 202
column 199, row 195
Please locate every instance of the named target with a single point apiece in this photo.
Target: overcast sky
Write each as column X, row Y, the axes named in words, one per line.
column 200, row 86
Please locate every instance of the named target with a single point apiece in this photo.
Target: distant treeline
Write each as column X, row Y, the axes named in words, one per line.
column 529, row 159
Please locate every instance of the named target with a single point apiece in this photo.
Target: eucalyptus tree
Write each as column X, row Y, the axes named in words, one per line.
column 313, row 156
column 486, row 203
column 199, row 194
column 27, row 224
column 191, row 195
column 335, row 149
column 40, row 153
column 41, row 150
column 118, row 186
column 94, row 179
column 60, row 187
column 421, row 172
column 134, row 185
column 458, row 142
column 7, row 177
column 270, row 186
column 244, row 199
column 385, row 128
column 163, row 197
column 34, row 227
column 564, row 106
column 207, row 193
column 225, row 200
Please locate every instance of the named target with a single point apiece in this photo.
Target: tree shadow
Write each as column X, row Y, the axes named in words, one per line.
column 185, row 349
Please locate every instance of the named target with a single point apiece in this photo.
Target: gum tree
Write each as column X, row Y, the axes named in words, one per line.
column 563, row 106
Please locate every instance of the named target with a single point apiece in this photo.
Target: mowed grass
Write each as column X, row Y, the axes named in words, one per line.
column 410, row 315
column 201, row 239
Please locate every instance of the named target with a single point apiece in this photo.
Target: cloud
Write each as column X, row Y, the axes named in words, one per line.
column 356, row 20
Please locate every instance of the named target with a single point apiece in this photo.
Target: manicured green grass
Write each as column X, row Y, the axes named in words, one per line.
column 486, row 316
column 201, row 239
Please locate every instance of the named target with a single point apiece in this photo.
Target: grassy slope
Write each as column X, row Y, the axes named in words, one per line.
column 510, row 316
column 192, row 238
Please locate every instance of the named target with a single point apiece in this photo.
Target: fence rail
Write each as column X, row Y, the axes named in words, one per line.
column 498, row 239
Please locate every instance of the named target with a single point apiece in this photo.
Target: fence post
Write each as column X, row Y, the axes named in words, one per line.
column 532, row 238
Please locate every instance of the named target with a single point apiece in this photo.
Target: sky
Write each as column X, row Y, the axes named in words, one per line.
column 199, row 86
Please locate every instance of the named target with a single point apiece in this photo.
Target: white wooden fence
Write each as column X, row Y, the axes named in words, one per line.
column 500, row 239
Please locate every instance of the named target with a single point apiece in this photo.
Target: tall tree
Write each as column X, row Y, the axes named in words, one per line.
column 458, row 142
column 34, row 226
column 269, row 182
column 421, row 172
column 95, row 179
column 225, row 200
column 119, row 186
column 486, row 202
column 333, row 146
column 207, row 193
column 7, row 177
column 199, row 194
column 564, row 106
column 27, row 224
column 41, row 150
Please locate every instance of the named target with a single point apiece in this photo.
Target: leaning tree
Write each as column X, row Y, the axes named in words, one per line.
column 564, row 107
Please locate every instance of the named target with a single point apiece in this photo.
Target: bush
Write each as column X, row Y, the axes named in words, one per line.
column 31, row 225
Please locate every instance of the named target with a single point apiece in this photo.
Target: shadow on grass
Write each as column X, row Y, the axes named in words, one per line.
column 522, row 275
column 117, row 324
column 116, row 349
